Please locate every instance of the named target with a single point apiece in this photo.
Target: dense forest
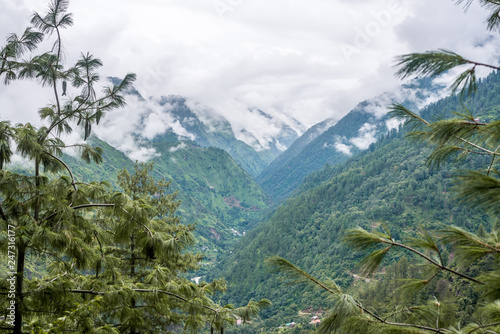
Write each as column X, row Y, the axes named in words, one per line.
column 390, row 182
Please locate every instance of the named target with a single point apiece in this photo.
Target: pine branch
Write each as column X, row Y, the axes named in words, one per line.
column 484, row 326
column 83, row 206
column 298, row 275
column 73, row 182
column 100, row 293
column 286, row 267
column 432, row 63
column 479, row 190
column 490, row 168
column 413, row 120
column 397, row 312
column 361, row 239
column 440, row 266
column 449, row 135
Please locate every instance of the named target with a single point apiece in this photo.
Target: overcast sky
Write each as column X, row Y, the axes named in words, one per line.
column 312, row 59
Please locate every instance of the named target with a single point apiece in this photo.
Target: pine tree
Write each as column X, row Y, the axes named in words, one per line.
column 49, row 215
column 114, row 260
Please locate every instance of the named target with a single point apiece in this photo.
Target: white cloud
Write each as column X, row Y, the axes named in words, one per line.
column 343, row 148
column 126, row 128
column 366, row 136
column 181, row 146
column 18, row 161
column 393, row 123
column 379, row 106
column 283, row 57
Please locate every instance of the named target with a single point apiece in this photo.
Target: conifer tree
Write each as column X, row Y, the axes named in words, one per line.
column 113, row 259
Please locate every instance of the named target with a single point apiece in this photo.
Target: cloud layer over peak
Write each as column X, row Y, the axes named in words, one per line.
column 306, row 61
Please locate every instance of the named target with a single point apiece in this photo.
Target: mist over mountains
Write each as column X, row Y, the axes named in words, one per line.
column 331, row 142
column 228, row 181
column 203, row 166
column 267, row 142
column 178, row 119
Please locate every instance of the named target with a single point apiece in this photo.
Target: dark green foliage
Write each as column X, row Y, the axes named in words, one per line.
column 433, row 63
column 83, row 257
column 455, row 138
column 286, row 173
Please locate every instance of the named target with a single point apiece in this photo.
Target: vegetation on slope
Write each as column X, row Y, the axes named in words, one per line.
column 389, row 182
column 216, row 194
column 116, row 260
column 311, row 152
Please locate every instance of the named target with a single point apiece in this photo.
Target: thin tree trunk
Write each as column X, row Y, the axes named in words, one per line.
column 132, row 256
column 132, row 271
column 37, row 191
column 21, row 257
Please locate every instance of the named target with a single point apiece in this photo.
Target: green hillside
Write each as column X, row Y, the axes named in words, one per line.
column 318, row 146
column 223, row 196
column 206, row 128
column 216, row 193
column 282, row 177
column 389, row 183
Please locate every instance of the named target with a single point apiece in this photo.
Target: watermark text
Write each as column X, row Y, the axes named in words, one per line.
column 11, row 274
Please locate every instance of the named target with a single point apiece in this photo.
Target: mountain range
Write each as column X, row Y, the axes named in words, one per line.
column 331, row 142
column 173, row 119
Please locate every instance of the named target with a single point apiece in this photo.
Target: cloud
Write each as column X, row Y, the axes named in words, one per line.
column 127, row 129
column 20, row 102
column 18, row 161
column 286, row 58
column 213, row 121
column 158, row 120
column 393, row 123
column 181, row 146
column 366, row 136
column 343, row 148
column 379, row 105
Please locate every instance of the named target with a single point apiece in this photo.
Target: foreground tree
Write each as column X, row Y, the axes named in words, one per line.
column 454, row 137
column 49, row 216
column 82, row 257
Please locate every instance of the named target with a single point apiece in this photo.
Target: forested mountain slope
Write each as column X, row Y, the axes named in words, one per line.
column 332, row 142
column 211, row 131
column 282, row 177
column 390, row 182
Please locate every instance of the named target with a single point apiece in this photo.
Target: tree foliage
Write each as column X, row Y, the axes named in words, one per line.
column 83, row 257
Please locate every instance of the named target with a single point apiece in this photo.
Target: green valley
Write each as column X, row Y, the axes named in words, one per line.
column 216, row 195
